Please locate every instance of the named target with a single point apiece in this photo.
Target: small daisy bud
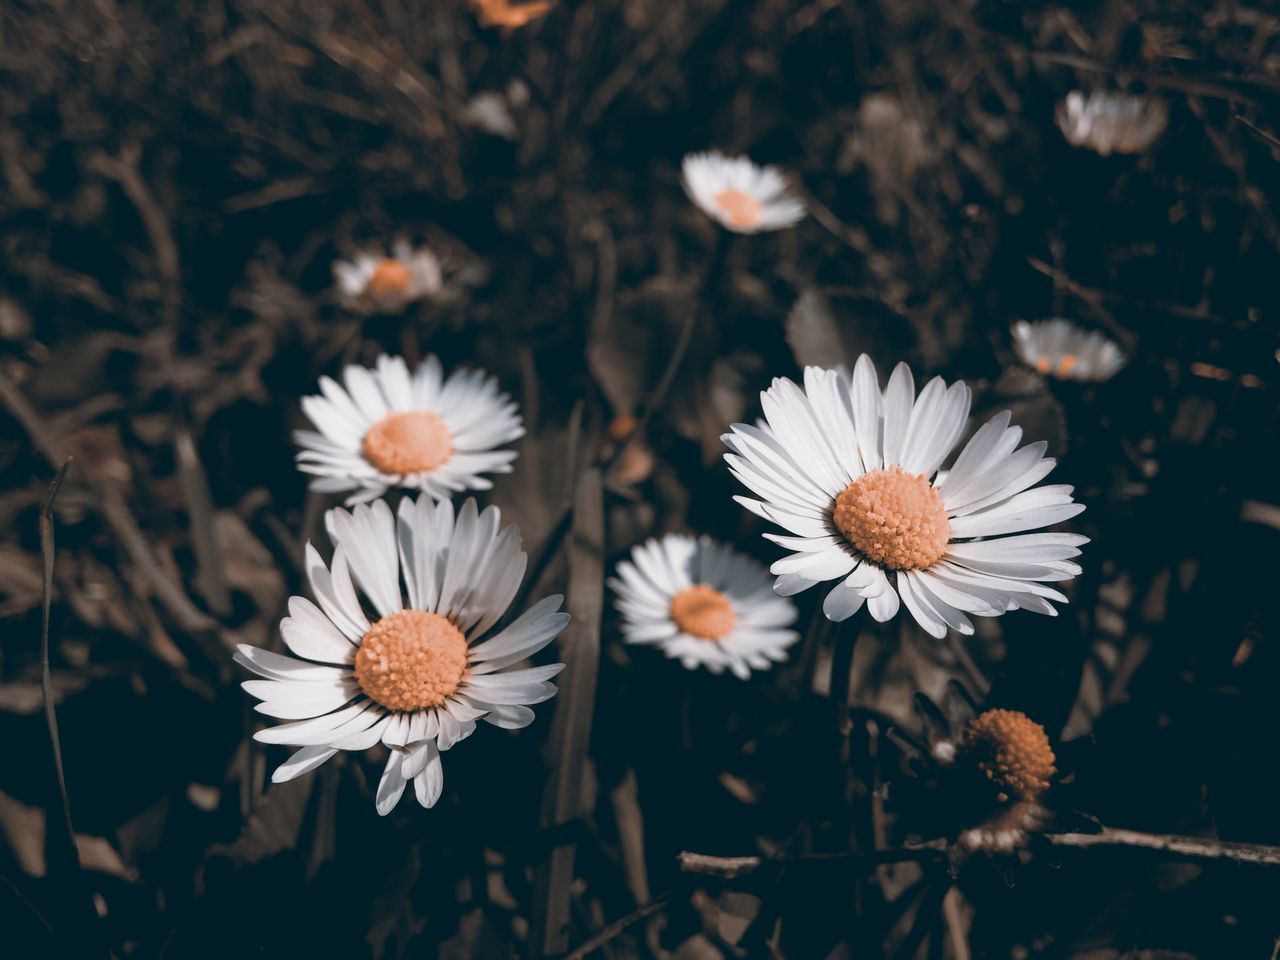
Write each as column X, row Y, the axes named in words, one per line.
column 1012, row 751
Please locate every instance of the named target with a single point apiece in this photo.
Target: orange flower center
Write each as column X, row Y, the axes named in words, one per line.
column 410, row 442
column 389, row 278
column 1012, row 751
column 894, row 518
column 411, row 660
column 742, row 209
column 703, row 612
column 1066, row 363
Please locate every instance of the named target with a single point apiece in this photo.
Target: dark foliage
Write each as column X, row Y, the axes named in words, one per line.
column 179, row 178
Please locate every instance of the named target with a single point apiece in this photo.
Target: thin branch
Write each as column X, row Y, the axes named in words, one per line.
column 614, row 929
column 1194, row 849
column 730, row 867
column 46, row 679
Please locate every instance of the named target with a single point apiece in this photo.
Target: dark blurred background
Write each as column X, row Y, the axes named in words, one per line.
column 178, row 179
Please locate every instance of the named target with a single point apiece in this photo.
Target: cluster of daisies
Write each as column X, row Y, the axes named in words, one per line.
column 879, row 498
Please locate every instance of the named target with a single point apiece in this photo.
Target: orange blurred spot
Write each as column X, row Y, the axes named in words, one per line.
column 742, row 209
column 622, row 426
column 1209, row 371
column 389, row 278
column 503, row 13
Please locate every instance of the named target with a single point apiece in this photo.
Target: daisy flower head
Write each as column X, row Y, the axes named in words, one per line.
column 394, row 650
column 1108, row 123
column 853, row 474
column 386, row 427
column 704, row 605
column 1060, row 349
column 740, row 195
column 376, row 283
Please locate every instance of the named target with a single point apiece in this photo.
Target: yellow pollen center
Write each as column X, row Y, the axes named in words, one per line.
column 410, row 442
column 894, row 518
column 703, row 612
column 742, row 209
column 1012, row 751
column 1066, row 364
column 411, row 660
column 389, row 278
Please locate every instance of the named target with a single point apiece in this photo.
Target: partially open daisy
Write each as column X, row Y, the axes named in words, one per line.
column 704, row 605
column 389, row 428
column 852, row 473
column 1110, row 123
column 996, row 767
column 1058, row 348
column 403, row 662
column 743, row 197
column 375, row 282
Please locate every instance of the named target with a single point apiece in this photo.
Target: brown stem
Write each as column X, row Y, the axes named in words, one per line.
column 1195, row 849
column 615, row 929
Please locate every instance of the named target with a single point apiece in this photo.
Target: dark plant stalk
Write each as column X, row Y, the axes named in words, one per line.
column 82, row 918
column 571, row 723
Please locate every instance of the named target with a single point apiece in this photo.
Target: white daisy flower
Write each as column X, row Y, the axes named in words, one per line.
column 1058, row 348
column 704, row 605
column 374, row 282
column 402, row 662
column 743, row 197
column 389, row 428
column 1110, row 123
column 852, row 473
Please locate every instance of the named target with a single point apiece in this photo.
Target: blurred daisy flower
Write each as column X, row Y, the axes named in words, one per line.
column 1110, row 123
column 743, row 197
column 1058, row 348
column 405, row 666
column 375, row 283
column 384, row 428
column 704, row 605
column 853, row 475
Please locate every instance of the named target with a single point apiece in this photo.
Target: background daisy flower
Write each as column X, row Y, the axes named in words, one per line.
column 740, row 195
column 852, row 473
column 1110, row 123
column 375, row 282
column 402, row 661
column 1058, row 348
column 703, row 604
column 389, row 428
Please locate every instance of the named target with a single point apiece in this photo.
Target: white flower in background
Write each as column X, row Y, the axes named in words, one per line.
column 1058, row 348
column 852, row 473
column 1110, row 123
column 743, row 197
column 704, row 605
column 406, row 665
column 378, row 283
column 389, row 428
